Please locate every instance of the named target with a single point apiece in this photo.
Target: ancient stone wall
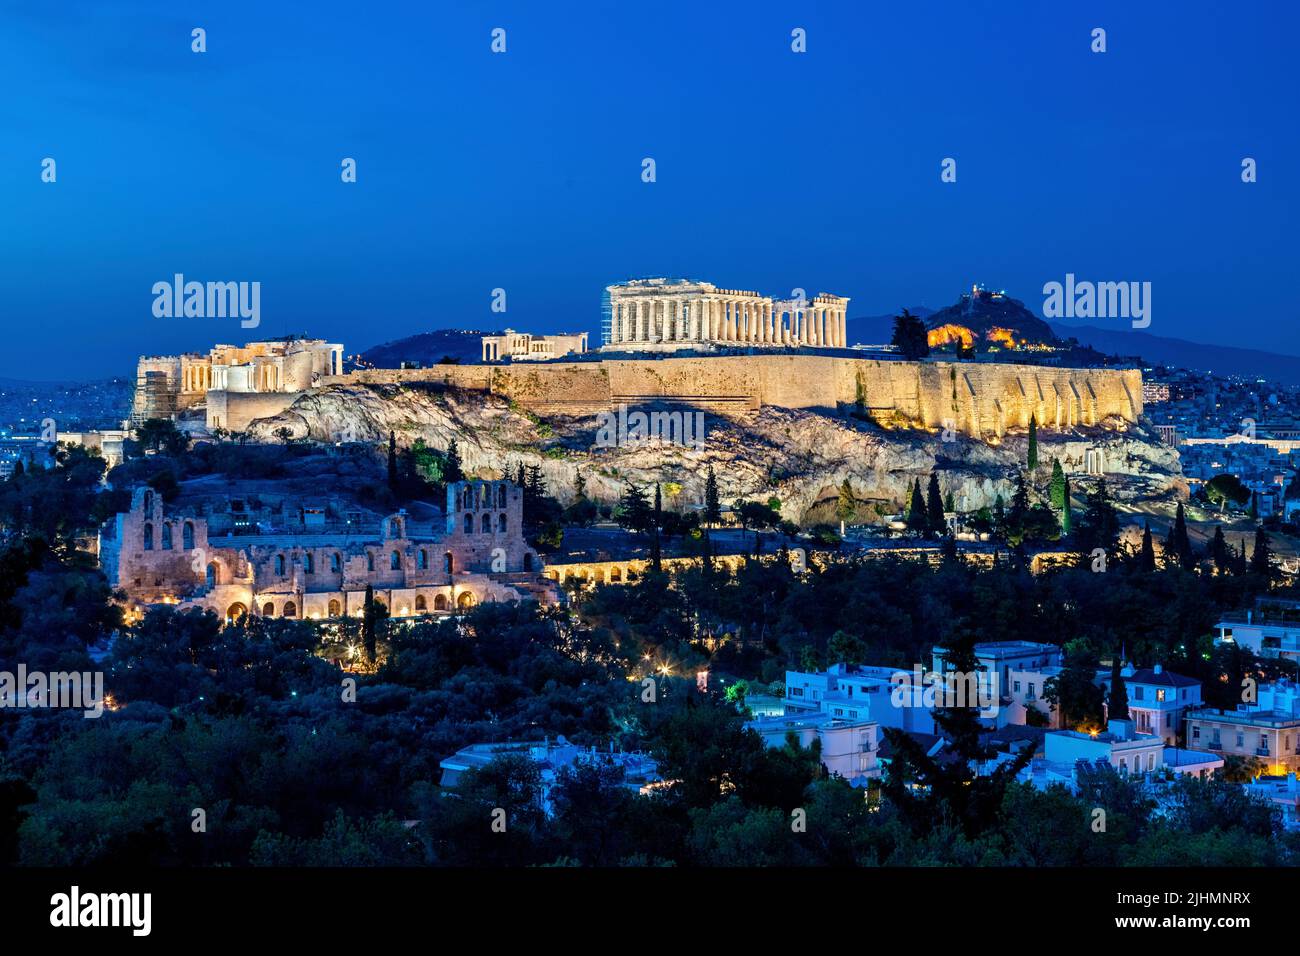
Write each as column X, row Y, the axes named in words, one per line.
column 973, row 398
column 234, row 410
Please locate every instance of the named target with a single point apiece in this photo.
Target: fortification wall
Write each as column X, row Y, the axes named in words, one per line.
column 234, row 411
column 986, row 399
column 978, row 399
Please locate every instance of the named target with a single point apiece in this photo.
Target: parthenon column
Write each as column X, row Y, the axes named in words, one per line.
column 844, row 329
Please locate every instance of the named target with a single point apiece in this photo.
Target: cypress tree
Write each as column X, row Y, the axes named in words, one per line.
column 1118, row 709
column 934, row 506
column 451, row 467
column 712, row 504
column 1148, row 559
column 1032, row 459
column 1239, row 565
column 1067, row 516
column 1259, row 558
column 1056, row 487
column 1178, row 544
column 368, row 639
column 917, row 519
column 1220, row 552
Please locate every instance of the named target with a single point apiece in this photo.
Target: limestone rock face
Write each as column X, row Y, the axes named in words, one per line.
column 798, row 456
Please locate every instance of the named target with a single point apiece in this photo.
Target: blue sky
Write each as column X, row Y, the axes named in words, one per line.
column 522, row 170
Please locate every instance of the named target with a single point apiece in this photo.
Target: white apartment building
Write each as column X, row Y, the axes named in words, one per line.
column 1264, row 634
column 860, row 692
column 849, row 748
column 1267, row 728
column 1157, row 699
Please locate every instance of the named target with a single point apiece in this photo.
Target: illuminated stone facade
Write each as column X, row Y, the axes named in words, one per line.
column 167, row 385
column 474, row 552
column 666, row 315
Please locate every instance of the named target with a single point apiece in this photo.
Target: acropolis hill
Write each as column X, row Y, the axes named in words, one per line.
column 787, row 415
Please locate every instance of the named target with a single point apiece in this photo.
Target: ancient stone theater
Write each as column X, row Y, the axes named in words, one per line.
column 314, row 560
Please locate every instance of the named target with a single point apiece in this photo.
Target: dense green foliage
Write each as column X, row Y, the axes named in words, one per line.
column 294, row 761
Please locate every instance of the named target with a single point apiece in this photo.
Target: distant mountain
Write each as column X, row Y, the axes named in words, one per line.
column 981, row 318
column 878, row 329
column 427, row 348
column 1159, row 350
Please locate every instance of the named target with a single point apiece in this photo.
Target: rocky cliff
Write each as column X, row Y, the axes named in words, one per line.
column 798, row 456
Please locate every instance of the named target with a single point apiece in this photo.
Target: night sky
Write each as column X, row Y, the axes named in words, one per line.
column 522, row 170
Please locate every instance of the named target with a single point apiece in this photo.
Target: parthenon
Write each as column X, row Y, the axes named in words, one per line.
column 667, row 314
